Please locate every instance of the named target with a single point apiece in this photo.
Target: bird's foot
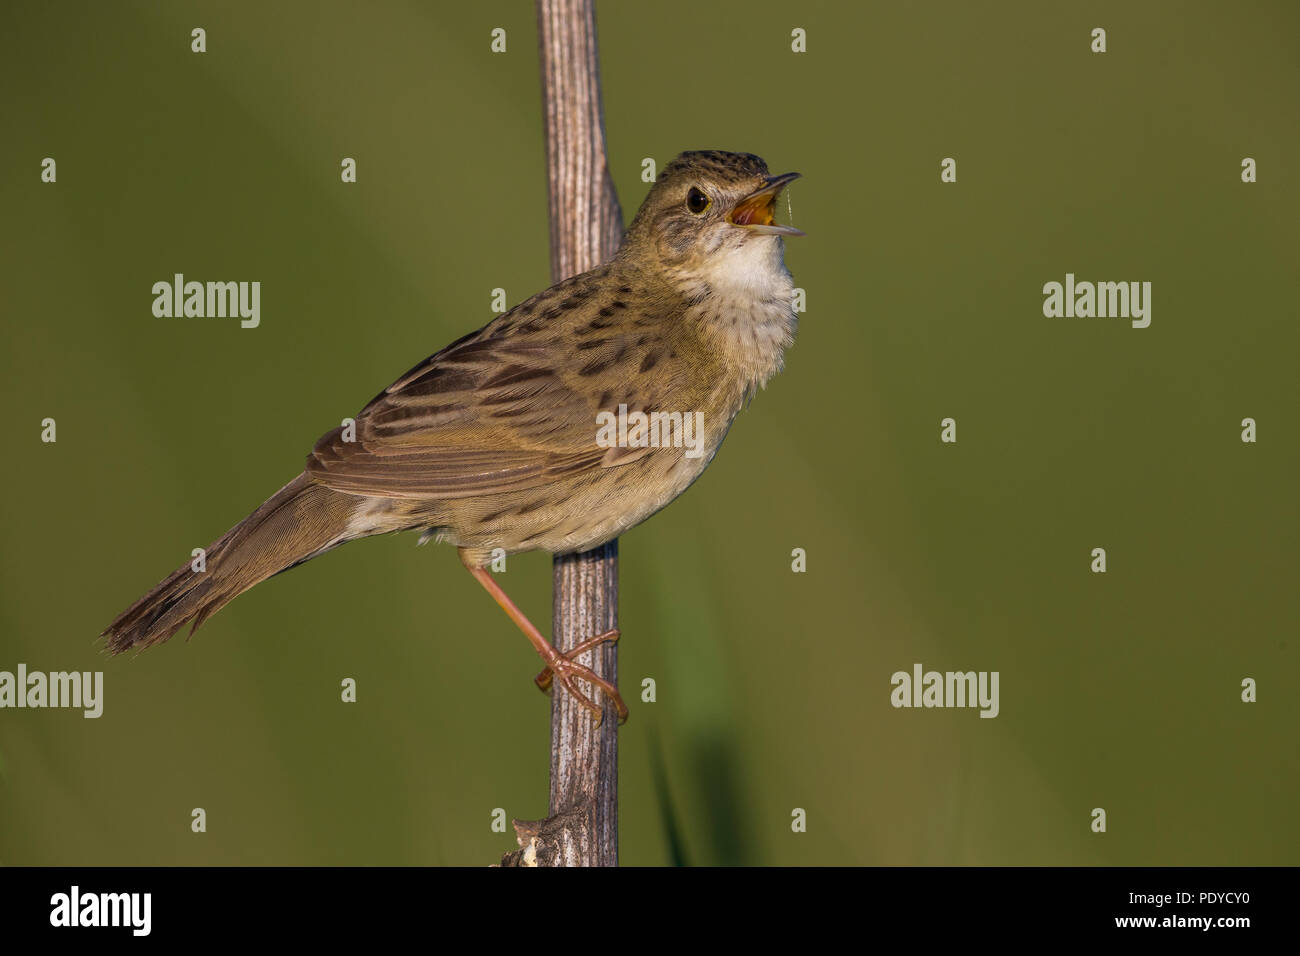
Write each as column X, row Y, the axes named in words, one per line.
column 543, row 680
column 559, row 666
column 563, row 667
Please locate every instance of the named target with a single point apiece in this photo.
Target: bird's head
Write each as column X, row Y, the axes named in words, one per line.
column 710, row 205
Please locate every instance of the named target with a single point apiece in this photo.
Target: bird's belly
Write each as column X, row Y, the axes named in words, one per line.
column 575, row 515
column 630, row 503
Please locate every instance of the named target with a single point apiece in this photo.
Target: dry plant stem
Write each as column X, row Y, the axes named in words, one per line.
column 586, row 227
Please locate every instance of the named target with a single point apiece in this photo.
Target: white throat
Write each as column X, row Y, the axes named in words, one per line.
column 749, row 308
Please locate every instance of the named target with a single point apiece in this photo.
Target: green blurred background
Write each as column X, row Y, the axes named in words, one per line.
column 924, row 301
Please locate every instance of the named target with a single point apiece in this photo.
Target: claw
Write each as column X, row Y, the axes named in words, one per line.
column 543, row 680
column 564, row 670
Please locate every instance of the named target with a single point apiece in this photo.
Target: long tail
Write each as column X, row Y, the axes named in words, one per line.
column 300, row 521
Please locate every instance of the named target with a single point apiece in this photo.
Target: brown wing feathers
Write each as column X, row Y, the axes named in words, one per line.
column 500, row 410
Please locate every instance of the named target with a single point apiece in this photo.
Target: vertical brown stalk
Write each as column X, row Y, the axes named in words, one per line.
column 586, row 226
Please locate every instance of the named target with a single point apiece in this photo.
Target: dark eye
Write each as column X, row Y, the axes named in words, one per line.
column 696, row 201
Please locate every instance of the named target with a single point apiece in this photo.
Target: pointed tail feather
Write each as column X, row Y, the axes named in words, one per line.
column 300, row 521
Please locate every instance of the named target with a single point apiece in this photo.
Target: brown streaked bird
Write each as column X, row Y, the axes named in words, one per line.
column 494, row 442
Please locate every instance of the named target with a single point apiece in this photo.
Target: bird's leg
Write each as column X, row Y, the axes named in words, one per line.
column 564, row 669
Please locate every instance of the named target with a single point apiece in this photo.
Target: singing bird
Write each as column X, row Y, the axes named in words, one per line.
column 496, row 440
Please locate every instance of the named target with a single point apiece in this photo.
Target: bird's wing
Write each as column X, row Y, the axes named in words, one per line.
column 503, row 409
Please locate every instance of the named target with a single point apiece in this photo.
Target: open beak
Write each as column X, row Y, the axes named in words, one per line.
column 754, row 212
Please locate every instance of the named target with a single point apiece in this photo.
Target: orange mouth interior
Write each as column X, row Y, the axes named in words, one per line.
column 754, row 211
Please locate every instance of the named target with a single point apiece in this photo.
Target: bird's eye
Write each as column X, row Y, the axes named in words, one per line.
column 696, row 201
